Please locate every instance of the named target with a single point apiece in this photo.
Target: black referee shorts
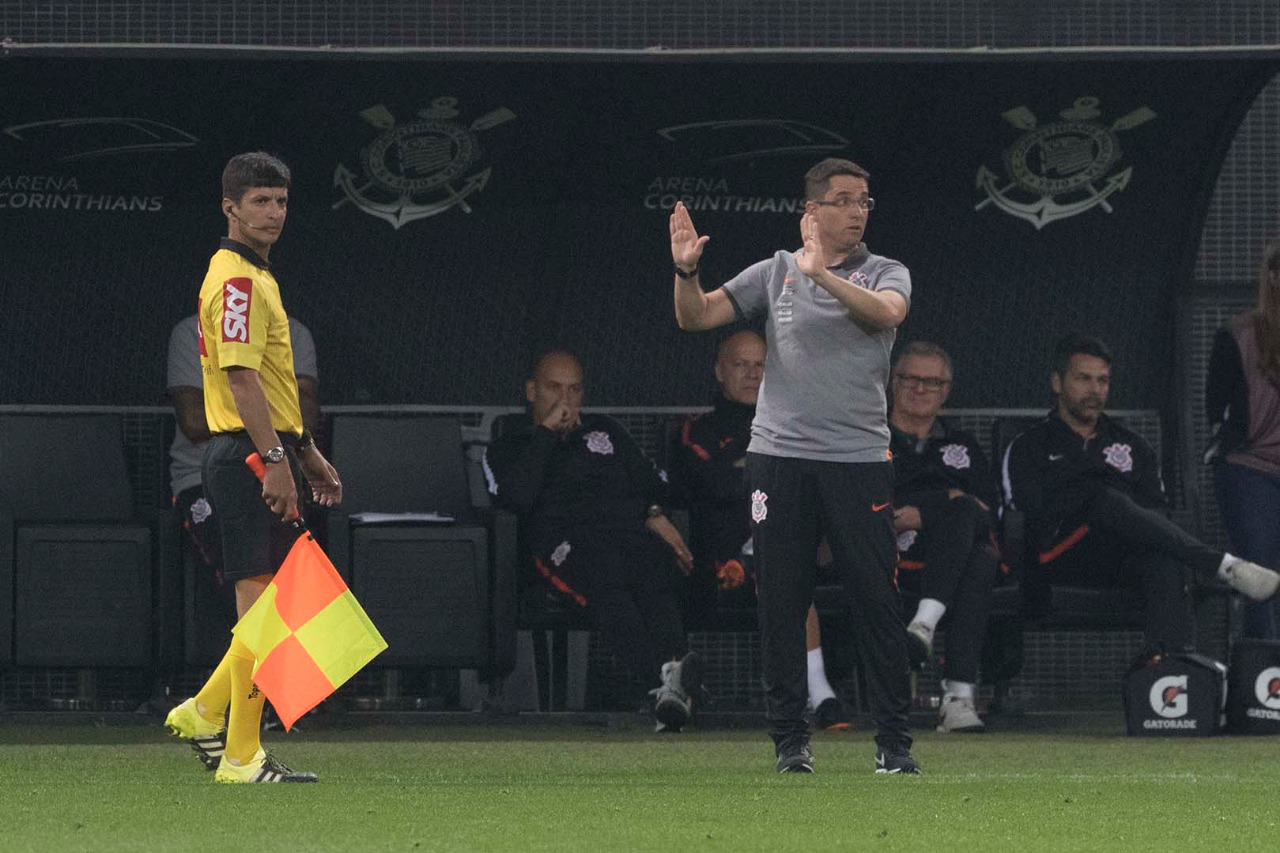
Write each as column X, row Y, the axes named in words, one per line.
column 255, row 540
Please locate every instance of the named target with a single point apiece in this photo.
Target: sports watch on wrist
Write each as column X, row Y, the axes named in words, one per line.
column 274, row 455
column 655, row 511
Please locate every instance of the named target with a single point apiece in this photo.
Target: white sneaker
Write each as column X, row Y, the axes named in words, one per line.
column 1256, row 582
column 673, row 704
column 957, row 714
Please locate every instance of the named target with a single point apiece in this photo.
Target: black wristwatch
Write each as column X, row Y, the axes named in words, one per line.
column 655, row 511
column 686, row 275
column 274, row 456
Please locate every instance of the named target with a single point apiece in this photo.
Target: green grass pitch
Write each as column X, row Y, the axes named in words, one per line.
column 458, row 788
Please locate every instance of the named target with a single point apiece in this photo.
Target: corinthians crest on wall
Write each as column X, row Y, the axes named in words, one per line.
column 418, row 168
column 1061, row 169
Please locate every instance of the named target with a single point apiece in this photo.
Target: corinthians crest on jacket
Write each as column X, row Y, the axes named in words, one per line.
column 1061, row 169
column 418, row 168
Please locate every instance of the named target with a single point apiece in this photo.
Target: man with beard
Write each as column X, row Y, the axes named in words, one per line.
column 1093, row 498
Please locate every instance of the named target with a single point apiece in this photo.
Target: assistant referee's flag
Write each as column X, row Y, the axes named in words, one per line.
column 307, row 631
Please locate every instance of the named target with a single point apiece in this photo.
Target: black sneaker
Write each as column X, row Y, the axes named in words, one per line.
column 691, row 678
column 829, row 716
column 896, row 761
column 795, row 756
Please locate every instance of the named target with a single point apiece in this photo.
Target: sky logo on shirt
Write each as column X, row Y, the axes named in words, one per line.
column 237, row 294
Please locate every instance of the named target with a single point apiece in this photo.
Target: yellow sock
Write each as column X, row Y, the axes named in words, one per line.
column 212, row 700
column 246, row 706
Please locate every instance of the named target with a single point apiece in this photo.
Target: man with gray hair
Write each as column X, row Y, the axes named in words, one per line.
column 943, row 493
column 818, row 462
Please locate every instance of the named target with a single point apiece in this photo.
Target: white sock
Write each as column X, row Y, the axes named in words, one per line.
column 930, row 612
column 1227, row 560
column 961, row 689
column 819, row 689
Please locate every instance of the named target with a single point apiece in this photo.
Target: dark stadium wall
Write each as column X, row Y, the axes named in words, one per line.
column 451, row 218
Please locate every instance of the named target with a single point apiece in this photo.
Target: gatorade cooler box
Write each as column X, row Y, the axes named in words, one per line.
column 1178, row 694
column 1253, row 693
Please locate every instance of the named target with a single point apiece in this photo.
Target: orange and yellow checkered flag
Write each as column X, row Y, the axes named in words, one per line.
column 307, row 631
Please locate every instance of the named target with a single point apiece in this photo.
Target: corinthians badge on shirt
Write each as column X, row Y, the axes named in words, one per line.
column 955, row 456
column 1063, row 168
column 418, row 168
column 598, row 442
column 1119, row 456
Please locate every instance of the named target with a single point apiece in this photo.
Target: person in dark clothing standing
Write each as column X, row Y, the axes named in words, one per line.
column 818, row 463
column 943, row 492
column 591, row 512
column 1093, row 498
column 1242, row 399
column 708, row 472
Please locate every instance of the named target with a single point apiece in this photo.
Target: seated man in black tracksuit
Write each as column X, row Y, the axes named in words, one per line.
column 590, row 506
column 708, row 472
column 707, row 468
column 942, row 493
column 1093, row 498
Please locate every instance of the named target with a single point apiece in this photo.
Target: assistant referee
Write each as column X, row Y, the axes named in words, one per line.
column 251, row 404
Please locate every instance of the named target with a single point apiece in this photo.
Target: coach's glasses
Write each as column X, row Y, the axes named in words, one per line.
column 845, row 202
column 928, row 383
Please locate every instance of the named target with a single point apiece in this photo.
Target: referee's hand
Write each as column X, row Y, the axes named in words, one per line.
column 279, row 491
column 326, row 487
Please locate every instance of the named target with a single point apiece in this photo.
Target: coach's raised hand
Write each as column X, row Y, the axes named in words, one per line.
column 686, row 245
column 812, row 260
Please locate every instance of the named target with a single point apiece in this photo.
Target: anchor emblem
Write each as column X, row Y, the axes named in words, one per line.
column 419, row 168
column 1054, row 169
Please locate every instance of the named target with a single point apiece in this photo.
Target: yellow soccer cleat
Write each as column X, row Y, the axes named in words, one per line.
column 208, row 740
column 263, row 768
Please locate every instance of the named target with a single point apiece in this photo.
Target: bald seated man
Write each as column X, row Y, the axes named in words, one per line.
column 708, row 471
column 592, row 514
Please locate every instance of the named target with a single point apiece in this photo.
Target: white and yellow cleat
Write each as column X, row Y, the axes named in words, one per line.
column 208, row 740
column 262, row 768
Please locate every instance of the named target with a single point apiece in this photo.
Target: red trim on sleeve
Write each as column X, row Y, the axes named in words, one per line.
column 698, row 449
column 559, row 584
column 1065, row 545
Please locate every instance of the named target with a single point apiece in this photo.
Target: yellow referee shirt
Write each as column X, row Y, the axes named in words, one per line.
column 243, row 324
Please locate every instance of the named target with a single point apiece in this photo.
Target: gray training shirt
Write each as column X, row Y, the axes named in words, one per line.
column 822, row 396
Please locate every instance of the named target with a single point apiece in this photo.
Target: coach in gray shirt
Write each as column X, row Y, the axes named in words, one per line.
column 818, row 463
